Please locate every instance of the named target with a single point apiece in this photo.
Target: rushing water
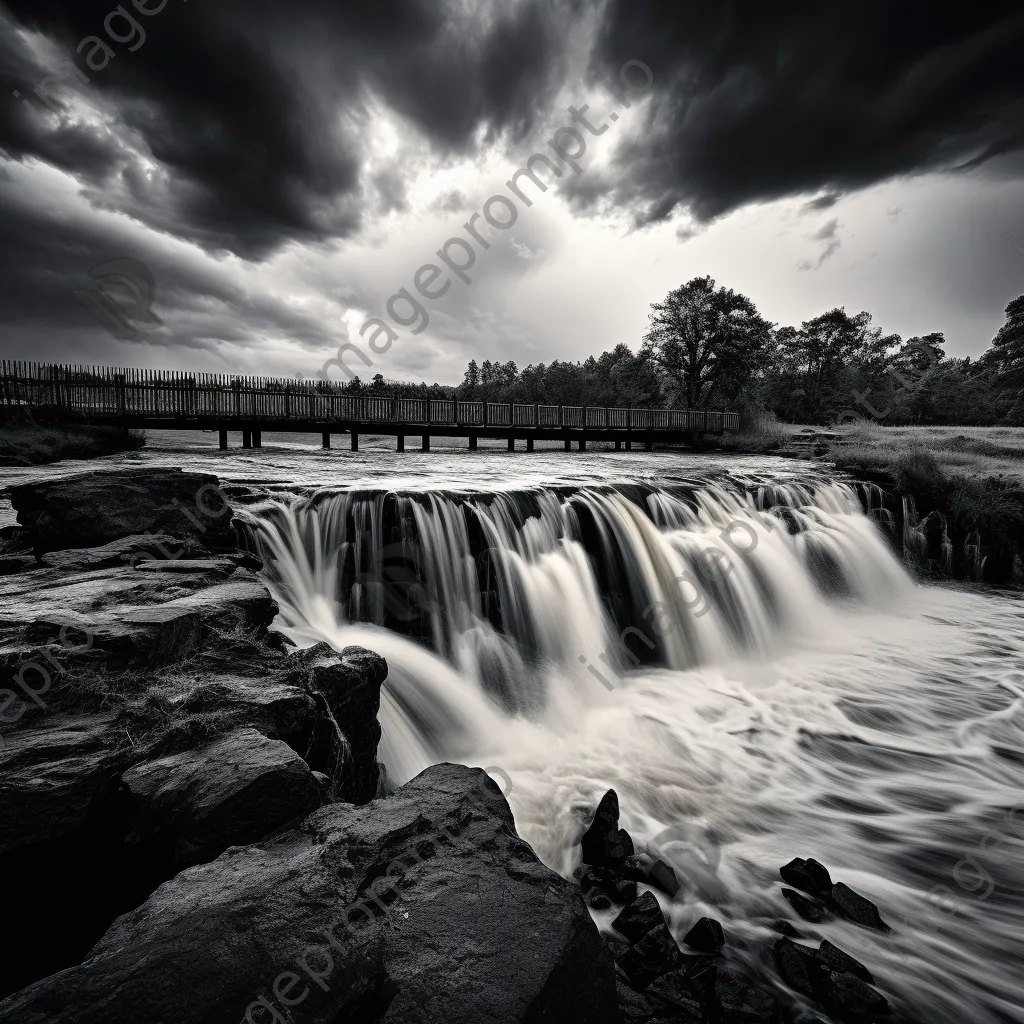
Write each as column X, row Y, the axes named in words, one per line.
column 749, row 667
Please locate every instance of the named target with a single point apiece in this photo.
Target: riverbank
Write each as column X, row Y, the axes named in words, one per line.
column 27, row 444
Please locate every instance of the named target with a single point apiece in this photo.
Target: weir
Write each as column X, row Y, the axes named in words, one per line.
column 494, row 608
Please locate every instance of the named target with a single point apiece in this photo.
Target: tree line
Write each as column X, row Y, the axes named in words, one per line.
column 709, row 346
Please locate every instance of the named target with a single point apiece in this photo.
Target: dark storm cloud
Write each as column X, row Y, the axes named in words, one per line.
column 253, row 111
column 48, row 256
column 755, row 101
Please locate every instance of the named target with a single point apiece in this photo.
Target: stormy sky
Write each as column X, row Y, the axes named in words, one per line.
column 274, row 173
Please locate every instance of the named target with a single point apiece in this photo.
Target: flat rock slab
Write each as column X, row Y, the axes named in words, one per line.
column 119, row 552
column 125, row 615
column 92, row 509
column 234, row 791
column 422, row 907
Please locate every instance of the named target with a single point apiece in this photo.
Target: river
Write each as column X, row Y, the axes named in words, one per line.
column 729, row 642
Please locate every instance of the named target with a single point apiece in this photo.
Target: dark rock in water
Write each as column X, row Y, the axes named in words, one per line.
column 634, row 1007
column 797, row 966
column 603, row 881
column 351, row 682
column 97, row 508
column 654, row 955
column 809, row 876
column 785, row 928
column 597, row 899
column 856, row 908
column 639, row 918
column 604, row 843
column 706, row 936
column 851, row 1000
column 837, row 960
column 686, row 990
column 808, row 908
column 661, row 876
column 239, row 789
column 422, row 907
column 739, row 1001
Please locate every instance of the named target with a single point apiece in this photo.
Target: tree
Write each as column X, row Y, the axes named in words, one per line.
column 471, row 380
column 708, row 342
column 1006, row 356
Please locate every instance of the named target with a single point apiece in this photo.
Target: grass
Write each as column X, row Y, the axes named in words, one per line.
column 32, row 445
column 970, row 453
column 760, row 432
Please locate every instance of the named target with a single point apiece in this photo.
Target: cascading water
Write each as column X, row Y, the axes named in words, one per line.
column 750, row 667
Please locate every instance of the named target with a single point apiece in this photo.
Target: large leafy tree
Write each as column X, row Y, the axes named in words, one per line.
column 1006, row 356
column 708, row 341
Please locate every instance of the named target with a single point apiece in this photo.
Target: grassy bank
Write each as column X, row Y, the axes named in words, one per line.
column 972, row 453
column 32, row 445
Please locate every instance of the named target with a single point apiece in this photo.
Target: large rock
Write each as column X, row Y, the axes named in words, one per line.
column 350, row 683
column 96, row 508
column 50, row 777
column 422, row 907
column 241, row 788
column 127, row 616
column 61, row 846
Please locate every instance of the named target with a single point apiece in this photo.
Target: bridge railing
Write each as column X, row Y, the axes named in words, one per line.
column 111, row 393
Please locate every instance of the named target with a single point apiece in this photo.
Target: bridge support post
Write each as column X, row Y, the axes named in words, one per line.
column 426, row 443
column 581, row 444
column 355, row 441
column 618, row 446
column 568, row 444
column 529, row 444
column 472, row 442
column 511, row 444
column 246, row 438
column 400, row 443
column 257, row 439
column 222, row 439
column 649, row 445
column 325, row 439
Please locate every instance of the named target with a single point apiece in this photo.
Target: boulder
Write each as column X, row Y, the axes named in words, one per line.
column 807, row 907
column 350, row 683
column 654, row 955
column 604, row 844
column 639, row 918
column 739, row 1000
column 193, row 805
column 808, row 875
column 854, row 907
column 92, row 509
column 423, row 907
column 837, row 960
column 602, row 881
column 706, row 936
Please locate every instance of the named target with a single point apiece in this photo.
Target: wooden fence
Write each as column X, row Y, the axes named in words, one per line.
column 110, row 394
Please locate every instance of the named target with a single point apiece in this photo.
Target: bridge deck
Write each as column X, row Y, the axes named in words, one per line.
column 207, row 401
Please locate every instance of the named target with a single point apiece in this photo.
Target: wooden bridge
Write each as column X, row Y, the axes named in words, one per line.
column 209, row 401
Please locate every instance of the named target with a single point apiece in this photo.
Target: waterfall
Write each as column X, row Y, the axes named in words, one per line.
column 502, row 612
